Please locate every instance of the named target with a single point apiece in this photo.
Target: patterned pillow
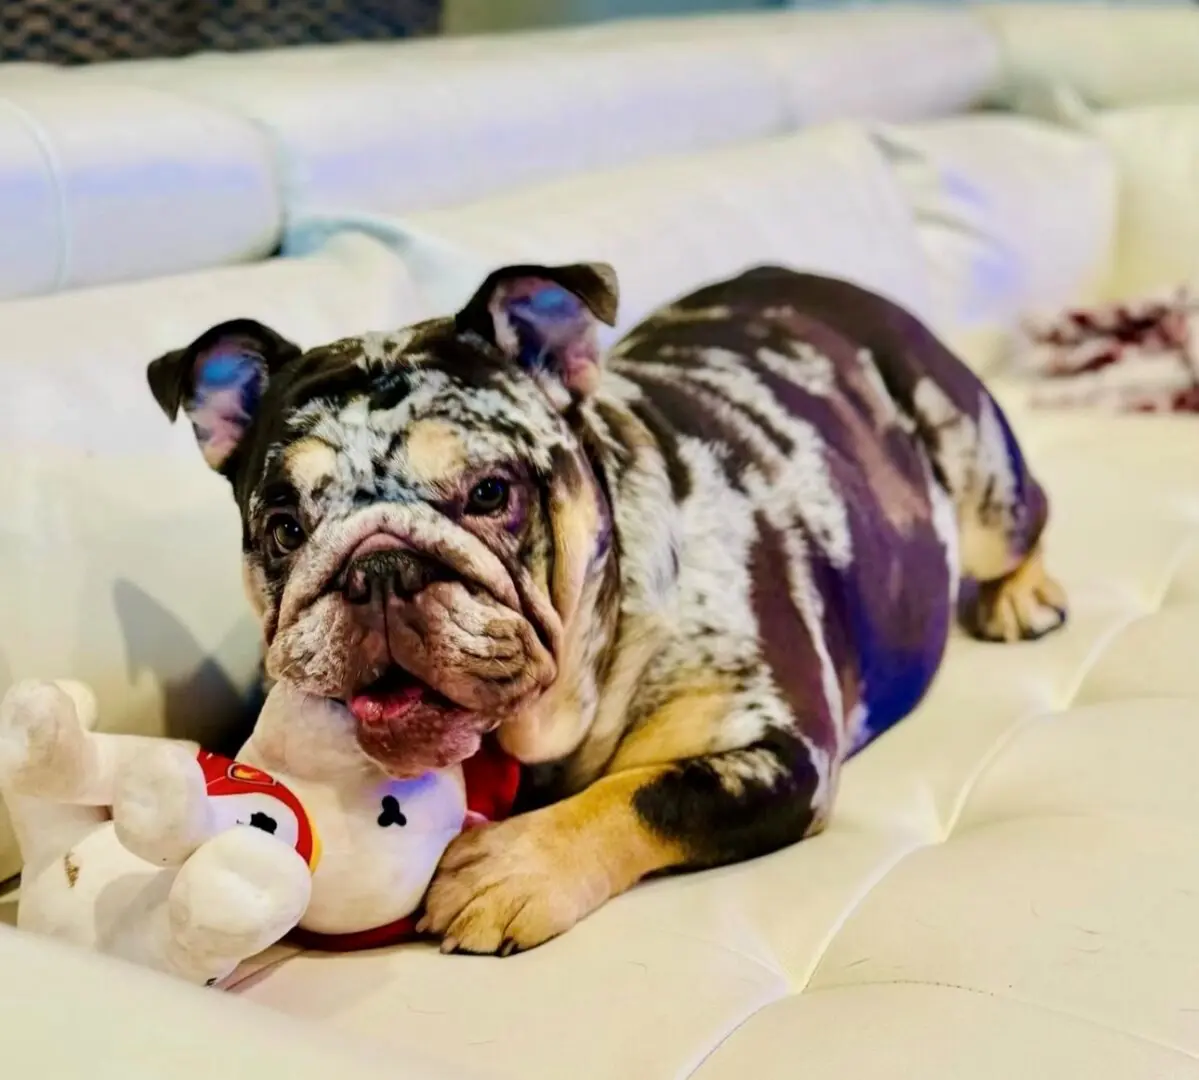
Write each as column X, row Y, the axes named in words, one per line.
column 80, row 31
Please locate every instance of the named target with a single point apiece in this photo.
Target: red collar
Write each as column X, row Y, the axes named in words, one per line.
column 377, row 938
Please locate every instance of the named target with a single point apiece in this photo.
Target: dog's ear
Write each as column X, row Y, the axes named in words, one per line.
column 218, row 381
column 545, row 317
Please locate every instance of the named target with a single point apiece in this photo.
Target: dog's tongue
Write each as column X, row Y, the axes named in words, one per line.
column 385, row 705
column 409, row 729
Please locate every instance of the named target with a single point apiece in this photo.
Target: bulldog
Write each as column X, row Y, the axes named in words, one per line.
column 681, row 583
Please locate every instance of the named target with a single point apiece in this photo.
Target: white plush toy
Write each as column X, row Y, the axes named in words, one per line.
column 154, row 851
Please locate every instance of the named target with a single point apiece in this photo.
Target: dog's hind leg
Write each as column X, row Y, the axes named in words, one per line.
column 1000, row 508
column 1001, row 514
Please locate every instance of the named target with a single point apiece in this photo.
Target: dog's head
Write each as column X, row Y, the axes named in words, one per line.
column 419, row 513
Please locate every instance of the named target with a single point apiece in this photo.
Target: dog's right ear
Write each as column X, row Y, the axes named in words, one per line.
column 218, row 381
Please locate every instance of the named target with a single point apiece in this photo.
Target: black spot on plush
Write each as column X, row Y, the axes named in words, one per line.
column 392, row 814
column 265, row 822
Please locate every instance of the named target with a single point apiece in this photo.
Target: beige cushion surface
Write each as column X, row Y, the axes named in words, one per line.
column 898, row 62
column 1008, row 886
column 70, row 1015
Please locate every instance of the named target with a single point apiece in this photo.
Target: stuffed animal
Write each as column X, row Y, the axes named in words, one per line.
column 158, row 852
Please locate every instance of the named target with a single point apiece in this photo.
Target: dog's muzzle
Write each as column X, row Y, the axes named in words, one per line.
column 442, row 660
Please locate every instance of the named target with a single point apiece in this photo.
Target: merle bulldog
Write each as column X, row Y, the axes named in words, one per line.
column 681, row 583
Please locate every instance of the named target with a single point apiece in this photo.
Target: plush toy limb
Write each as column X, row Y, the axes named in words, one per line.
column 44, row 730
column 238, row 894
column 57, row 775
column 160, row 809
column 48, row 747
column 40, row 725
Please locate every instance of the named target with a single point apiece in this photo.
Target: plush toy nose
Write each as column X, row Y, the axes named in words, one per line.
column 382, row 576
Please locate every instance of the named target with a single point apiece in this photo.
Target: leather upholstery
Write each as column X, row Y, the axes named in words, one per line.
column 115, row 182
column 1009, row 883
column 1111, row 54
column 988, row 192
column 823, row 198
column 1155, row 149
column 1007, row 886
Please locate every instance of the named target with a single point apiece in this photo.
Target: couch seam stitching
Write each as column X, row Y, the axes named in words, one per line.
column 728, row 1035
column 851, row 908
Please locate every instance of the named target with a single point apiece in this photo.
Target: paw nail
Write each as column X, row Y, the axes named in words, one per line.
column 449, row 945
column 508, row 948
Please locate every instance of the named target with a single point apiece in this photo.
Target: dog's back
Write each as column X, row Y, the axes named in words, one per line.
column 819, row 441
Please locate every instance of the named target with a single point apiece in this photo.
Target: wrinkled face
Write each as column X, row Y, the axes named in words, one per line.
column 418, row 514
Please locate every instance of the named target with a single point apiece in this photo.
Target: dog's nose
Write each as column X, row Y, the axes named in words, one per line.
column 383, row 575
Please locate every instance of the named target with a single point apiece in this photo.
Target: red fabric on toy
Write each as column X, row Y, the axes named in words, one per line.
column 492, row 778
column 378, row 938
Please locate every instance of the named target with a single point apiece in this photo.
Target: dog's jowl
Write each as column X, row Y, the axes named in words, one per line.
column 681, row 583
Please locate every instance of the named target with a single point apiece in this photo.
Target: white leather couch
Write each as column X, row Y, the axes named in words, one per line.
column 1010, row 885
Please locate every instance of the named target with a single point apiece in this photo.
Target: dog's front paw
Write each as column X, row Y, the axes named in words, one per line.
column 509, row 887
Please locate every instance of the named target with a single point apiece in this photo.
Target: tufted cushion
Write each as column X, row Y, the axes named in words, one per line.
column 1007, row 887
column 120, row 548
column 123, row 182
column 1012, row 215
column 823, row 199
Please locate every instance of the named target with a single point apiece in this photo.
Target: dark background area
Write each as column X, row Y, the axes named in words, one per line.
column 81, row 31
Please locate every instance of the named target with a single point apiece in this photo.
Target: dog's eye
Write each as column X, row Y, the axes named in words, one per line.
column 284, row 534
column 488, row 496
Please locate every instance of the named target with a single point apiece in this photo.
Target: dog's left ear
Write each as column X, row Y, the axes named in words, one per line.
column 218, row 381
column 545, row 318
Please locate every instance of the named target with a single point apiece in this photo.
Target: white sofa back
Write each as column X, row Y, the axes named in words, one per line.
column 949, row 217
column 412, row 126
column 823, row 198
column 128, row 171
column 114, row 182
column 1014, row 215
